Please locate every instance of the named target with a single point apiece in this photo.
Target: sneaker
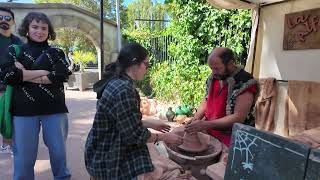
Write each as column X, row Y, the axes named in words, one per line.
column 5, row 149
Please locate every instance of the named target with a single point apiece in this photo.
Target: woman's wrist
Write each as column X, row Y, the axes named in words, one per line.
column 162, row 137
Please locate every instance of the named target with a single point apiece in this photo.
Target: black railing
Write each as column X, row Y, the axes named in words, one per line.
column 159, row 48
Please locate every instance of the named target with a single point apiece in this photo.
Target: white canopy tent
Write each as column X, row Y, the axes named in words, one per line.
column 267, row 57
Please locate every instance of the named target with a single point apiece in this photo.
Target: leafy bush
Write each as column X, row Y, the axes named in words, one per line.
column 169, row 82
column 197, row 28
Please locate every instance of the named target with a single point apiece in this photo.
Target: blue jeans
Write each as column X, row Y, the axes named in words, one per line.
column 25, row 144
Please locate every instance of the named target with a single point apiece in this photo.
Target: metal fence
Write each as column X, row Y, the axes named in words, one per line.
column 159, row 48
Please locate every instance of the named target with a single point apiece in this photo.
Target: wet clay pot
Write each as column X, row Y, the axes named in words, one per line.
column 192, row 143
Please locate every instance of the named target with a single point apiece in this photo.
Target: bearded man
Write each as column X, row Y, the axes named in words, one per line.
column 230, row 96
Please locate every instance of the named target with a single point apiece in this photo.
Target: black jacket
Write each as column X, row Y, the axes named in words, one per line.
column 30, row 99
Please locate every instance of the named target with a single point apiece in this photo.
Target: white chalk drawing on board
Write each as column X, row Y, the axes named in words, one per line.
column 244, row 141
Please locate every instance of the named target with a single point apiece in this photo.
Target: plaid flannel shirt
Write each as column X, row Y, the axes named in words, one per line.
column 116, row 144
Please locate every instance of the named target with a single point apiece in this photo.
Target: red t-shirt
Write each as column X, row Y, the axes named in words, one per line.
column 216, row 107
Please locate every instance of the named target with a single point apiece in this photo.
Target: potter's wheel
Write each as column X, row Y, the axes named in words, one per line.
column 200, row 149
column 210, row 150
column 196, row 162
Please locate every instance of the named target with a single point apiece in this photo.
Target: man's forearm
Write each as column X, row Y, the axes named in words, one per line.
column 224, row 123
column 201, row 110
column 242, row 108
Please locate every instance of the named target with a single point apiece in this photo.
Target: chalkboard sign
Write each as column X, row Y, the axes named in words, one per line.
column 259, row 155
column 313, row 167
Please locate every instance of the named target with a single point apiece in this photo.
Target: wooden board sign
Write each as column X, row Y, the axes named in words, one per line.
column 302, row 30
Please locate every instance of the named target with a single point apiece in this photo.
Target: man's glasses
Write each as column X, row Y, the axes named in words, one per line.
column 6, row 18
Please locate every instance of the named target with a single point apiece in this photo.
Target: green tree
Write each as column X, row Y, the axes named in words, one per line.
column 148, row 11
column 198, row 27
column 72, row 39
column 141, row 27
column 94, row 6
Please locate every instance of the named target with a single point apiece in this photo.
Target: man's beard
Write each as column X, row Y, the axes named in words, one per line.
column 224, row 76
column 4, row 26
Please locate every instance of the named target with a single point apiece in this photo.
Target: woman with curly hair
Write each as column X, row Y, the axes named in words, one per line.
column 37, row 74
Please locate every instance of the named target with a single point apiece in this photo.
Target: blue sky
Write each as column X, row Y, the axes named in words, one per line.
column 126, row 2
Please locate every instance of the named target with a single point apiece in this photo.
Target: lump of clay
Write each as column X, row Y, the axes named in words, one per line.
column 192, row 143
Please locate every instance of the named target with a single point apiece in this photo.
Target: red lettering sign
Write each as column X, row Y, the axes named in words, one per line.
column 301, row 30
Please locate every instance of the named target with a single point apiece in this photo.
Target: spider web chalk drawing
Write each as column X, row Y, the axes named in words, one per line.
column 250, row 147
column 243, row 142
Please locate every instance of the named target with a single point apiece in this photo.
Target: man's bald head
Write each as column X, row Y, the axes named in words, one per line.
column 221, row 62
column 225, row 54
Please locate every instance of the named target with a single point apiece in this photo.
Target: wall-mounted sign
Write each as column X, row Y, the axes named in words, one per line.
column 302, row 30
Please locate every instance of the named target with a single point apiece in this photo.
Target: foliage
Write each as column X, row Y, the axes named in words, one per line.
column 197, row 28
column 72, row 39
column 169, row 85
column 141, row 25
column 82, row 58
column 92, row 6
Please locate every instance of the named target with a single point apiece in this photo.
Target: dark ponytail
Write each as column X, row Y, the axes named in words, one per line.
column 131, row 54
column 110, row 70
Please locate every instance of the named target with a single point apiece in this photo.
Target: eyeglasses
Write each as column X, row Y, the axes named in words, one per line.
column 6, row 18
column 147, row 64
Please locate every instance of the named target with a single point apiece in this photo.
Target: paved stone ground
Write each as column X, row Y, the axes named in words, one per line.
column 82, row 108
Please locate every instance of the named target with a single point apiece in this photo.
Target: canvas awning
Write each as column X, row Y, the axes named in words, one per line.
column 241, row 4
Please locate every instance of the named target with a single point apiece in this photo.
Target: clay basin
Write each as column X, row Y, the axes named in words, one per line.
column 182, row 155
